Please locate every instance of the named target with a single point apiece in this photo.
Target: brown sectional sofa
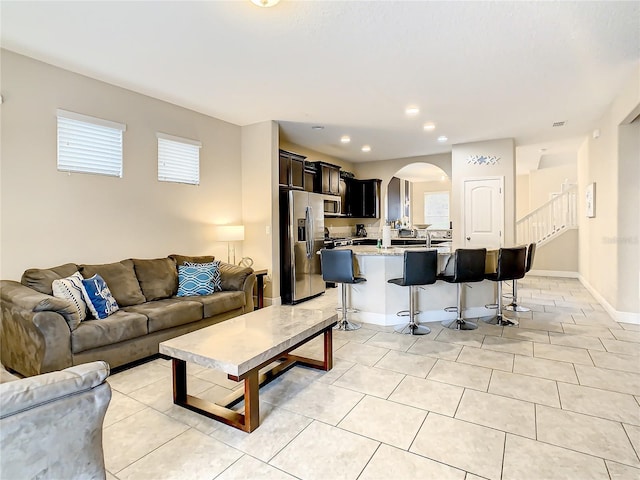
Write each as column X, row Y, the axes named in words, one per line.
column 38, row 333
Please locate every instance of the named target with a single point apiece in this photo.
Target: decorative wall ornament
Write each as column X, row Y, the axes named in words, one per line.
column 482, row 160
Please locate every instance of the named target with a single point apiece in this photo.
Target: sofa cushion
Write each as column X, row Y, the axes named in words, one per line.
column 158, row 278
column 115, row 328
column 168, row 313
column 40, row 279
column 182, row 259
column 70, row 288
column 122, row 281
column 219, row 302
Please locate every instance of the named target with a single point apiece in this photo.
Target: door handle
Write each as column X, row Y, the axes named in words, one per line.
column 468, row 238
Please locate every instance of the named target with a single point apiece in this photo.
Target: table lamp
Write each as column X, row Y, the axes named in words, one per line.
column 230, row 234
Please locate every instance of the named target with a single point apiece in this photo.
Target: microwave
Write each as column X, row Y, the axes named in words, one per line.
column 332, row 205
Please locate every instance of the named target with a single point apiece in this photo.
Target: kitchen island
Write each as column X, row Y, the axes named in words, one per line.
column 378, row 301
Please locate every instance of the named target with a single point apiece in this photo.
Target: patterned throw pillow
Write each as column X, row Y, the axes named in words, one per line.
column 98, row 297
column 198, row 279
column 70, row 288
column 217, row 279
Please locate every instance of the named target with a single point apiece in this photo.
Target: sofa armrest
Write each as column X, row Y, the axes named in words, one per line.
column 31, row 392
column 239, row 279
column 52, row 424
column 31, row 342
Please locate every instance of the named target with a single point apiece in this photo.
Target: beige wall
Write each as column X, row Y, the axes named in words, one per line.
column 558, row 255
column 50, row 217
column 503, row 148
column 418, row 189
column 544, row 182
column 522, row 196
column 608, row 163
column 260, row 201
column 628, row 237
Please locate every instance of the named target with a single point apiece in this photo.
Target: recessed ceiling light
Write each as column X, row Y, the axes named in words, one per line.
column 317, row 127
column 265, row 3
column 429, row 126
column 442, row 138
column 412, row 110
column 345, row 139
column 366, row 148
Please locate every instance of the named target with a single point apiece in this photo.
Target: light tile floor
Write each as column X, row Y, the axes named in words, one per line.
column 556, row 398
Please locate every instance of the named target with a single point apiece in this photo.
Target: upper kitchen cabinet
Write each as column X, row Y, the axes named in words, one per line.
column 327, row 179
column 364, row 198
column 291, row 170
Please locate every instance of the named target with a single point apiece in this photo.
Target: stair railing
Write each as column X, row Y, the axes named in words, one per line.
column 547, row 221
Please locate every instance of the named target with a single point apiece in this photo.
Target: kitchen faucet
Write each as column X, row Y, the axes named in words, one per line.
column 428, row 238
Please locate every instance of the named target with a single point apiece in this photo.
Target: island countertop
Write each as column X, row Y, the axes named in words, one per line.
column 378, row 301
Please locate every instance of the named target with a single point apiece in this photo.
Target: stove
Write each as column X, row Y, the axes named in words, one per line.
column 332, row 242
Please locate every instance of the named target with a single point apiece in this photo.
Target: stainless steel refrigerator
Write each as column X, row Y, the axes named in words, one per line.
column 301, row 238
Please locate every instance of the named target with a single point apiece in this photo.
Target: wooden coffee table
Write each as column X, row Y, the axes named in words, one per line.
column 240, row 347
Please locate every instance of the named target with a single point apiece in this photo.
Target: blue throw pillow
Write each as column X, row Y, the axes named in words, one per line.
column 215, row 268
column 195, row 279
column 98, row 297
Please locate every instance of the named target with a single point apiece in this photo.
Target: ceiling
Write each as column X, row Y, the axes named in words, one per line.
column 478, row 70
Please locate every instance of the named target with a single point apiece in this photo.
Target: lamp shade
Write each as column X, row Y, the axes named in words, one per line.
column 229, row 233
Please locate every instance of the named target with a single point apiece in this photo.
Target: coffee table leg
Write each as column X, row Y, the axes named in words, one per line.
column 179, row 381
column 251, row 401
column 328, row 349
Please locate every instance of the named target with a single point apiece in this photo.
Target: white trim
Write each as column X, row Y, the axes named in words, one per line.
column 268, row 301
column 554, row 273
column 618, row 316
column 88, row 119
column 173, row 138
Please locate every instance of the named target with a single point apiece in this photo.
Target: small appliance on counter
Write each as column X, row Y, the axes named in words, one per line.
column 360, row 230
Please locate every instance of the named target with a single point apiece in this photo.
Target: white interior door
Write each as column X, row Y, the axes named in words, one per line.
column 483, row 212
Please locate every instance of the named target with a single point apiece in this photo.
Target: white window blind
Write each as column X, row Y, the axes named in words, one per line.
column 178, row 159
column 89, row 145
column 436, row 209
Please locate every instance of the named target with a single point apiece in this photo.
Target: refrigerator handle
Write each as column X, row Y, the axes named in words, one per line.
column 309, row 232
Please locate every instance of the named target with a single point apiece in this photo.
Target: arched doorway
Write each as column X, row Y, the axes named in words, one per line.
column 419, row 194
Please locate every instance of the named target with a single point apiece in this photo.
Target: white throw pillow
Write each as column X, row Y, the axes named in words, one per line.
column 70, row 288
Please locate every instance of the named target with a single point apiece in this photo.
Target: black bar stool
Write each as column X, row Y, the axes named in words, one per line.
column 337, row 266
column 513, row 306
column 468, row 267
column 420, row 268
column 511, row 266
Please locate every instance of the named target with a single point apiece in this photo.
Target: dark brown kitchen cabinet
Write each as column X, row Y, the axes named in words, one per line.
column 327, row 179
column 291, row 170
column 364, row 198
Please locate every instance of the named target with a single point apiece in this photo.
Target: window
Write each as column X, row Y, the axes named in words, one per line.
column 178, row 159
column 436, row 209
column 89, row 145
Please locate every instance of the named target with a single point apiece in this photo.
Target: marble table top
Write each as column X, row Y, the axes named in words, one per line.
column 237, row 345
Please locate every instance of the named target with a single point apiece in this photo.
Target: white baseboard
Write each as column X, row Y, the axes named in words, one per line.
column 554, row 273
column 268, row 301
column 618, row 316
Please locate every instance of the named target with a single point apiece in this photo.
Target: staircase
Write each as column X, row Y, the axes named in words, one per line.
column 550, row 220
